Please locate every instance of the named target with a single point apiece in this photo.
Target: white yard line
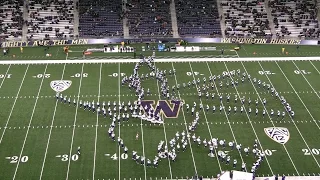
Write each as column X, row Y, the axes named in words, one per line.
column 51, row 126
column 74, row 123
column 185, row 123
column 314, row 67
column 224, row 110
column 194, row 78
column 30, row 121
column 301, row 99
column 285, row 148
column 5, row 76
column 289, row 113
column 14, row 103
column 97, row 124
column 164, row 126
column 250, row 122
column 85, row 61
column 119, row 135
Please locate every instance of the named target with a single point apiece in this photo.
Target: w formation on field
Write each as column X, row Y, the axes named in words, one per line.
column 146, row 110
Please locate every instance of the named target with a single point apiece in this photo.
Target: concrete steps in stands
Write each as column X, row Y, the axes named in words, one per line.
column 25, row 17
column 222, row 19
column 270, row 18
column 125, row 21
column 174, row 19
column 76, row 19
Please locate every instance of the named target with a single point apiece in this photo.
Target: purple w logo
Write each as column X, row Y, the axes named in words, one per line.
column 163, row 106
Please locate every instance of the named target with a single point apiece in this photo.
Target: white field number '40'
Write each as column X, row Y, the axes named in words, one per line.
column 193, row 73
column 301, row 71
column 16, row 159
column 122, row 156
column 312, row 151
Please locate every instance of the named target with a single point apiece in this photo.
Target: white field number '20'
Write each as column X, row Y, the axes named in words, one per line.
column 78, row 75
column 16, row 159
column 42, row 76
column 265, row 72
column 5, row 76
column 301, row 71
column 312, row 151
column 122, row 156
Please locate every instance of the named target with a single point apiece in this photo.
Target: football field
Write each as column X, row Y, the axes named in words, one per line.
column 40, row 135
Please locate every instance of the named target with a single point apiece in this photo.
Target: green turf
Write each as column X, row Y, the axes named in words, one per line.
column 28, row 100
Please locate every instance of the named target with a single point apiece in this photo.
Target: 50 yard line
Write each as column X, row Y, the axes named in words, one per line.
column 97, row 123
column 119, row 95
column 31, row 118
column 75, row 121
column 53, row 118
column 14, row 103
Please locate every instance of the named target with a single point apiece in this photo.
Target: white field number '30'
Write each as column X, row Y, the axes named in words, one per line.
column 16, row 159
column 265, row 72
column 65, row 157
column 312, row 151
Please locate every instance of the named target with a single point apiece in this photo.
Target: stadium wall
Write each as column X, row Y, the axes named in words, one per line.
column 33, row 43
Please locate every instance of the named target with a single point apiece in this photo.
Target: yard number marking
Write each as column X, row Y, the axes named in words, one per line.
column 15, row 159
column 116, row 74
column 40, row 76
column 79, row 75
column 123, row 156
column 65, row 157
column 265, row 72
column 313, row 151
column 5, row 76
column 301, row 71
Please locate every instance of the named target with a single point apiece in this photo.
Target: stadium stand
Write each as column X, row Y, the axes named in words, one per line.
column 11, row 19
column 198, row 18
column 149, row 18
column 245, row 18
column 295, row 18
column 50, row 19
column 100, row 18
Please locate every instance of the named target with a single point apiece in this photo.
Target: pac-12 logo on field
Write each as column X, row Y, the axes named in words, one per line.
column 280, row 135
column 163, row 106
column 60, row 85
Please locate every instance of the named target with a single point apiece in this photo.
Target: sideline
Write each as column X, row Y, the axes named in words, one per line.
column 87, row 61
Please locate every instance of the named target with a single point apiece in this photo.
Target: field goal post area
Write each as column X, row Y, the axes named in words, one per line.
column 175, row 60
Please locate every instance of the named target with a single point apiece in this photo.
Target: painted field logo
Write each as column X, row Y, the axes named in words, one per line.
column 163, row 106
column 280, row 135
column 60, row 85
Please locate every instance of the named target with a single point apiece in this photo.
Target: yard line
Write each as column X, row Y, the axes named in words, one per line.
column 288, row 112
column 5, row 77
column 250, row 122
column 119, row 95
column 14, row 103
column 31, row 118
column 301, row 99
column 51, row 126
column 164, row 127
column 194, row 78
column 75, row 121
column 185, row 123
column 228, row 121
column 271, row 120
column 314, row 66
column 97, row 124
